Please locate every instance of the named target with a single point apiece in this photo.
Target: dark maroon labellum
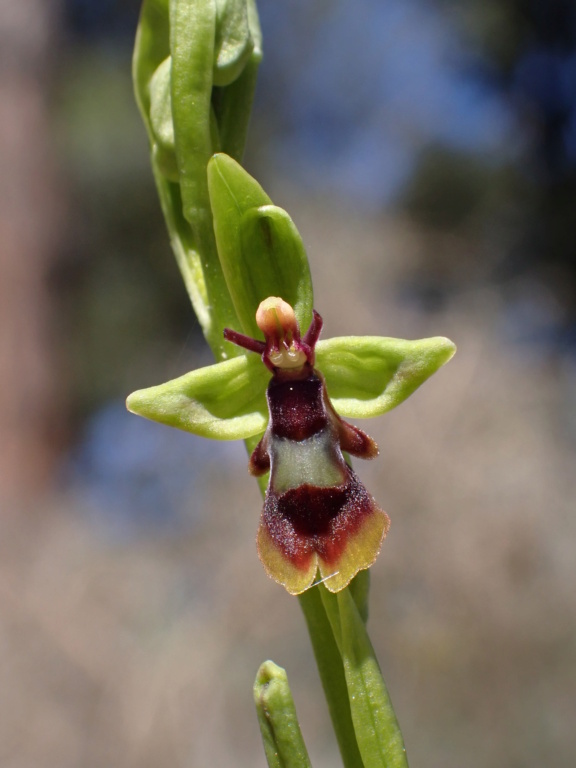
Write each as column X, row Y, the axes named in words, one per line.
column 317, row 514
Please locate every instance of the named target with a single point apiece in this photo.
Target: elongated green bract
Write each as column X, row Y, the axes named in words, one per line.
column 283, row 742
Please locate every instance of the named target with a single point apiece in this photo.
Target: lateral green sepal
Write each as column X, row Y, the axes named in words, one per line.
column 369, row 375
column 224, row 401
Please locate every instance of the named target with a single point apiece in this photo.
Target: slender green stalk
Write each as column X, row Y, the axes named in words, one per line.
column 377, row 731
column 233, row 107
column 332, row 675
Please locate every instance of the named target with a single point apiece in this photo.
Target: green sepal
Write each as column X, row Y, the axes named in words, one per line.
column 260, row 249
column 367, row 376
column 281, row 735
column 224, row 401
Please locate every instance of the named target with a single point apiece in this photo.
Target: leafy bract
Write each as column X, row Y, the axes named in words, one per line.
column 260, row 250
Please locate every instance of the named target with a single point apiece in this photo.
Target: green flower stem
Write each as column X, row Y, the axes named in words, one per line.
column 331, row 671
column 192, row 31
column 360, row 590
column 192, row 34
column 233, row 107
column 152, row 47
column 185, row 249
column 188, row 118
column 283, row 742
column 377, row 731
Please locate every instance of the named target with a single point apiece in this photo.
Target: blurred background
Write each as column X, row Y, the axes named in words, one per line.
column 426, row 150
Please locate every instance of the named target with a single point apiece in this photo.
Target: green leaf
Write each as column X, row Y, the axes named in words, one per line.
column 283, row 742
column 260, row 249
column 360, row 590
column 175, row 102
column 255, row 30
column 225, row 401
column 369, row 375
column 331, row 673
column 375, row 725
column 377, row 730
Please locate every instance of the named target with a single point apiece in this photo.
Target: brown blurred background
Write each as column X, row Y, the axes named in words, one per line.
column 427, row 153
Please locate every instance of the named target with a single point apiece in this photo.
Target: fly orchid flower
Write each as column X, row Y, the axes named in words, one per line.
column 317, row 515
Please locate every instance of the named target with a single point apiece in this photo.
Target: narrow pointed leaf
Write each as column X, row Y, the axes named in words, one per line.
column 377, row 731
column 224, row 401
column 360, row 591
column 192, row 30
column 369, row 375
column 331, row 673
column 283, row 742
column 376, row 728
column 255, row 29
